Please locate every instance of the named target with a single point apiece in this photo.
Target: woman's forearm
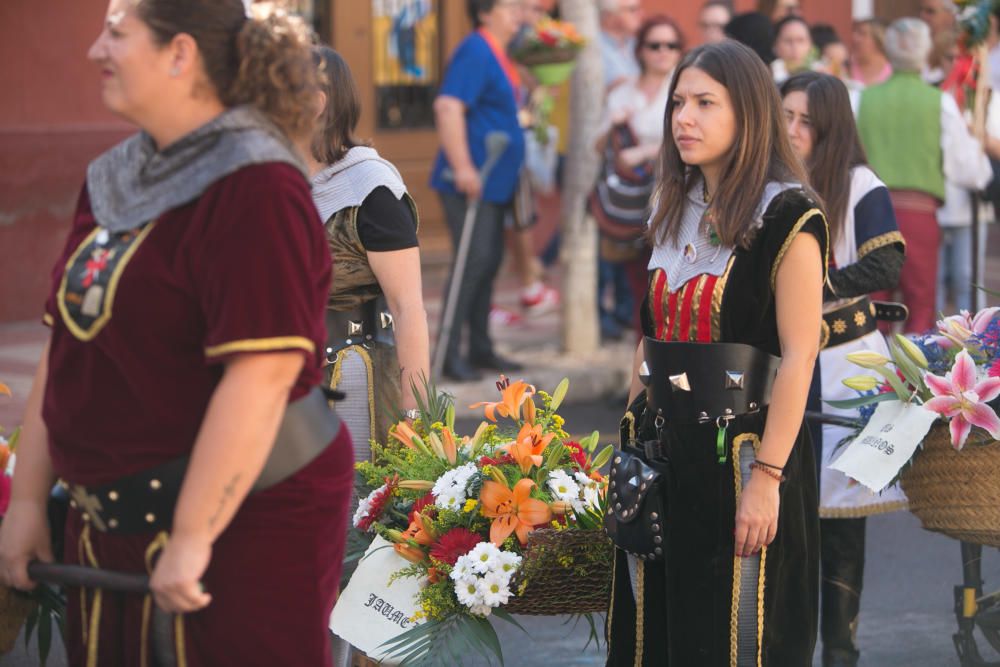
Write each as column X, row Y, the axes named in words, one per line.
column 412, row 344
column 788, row 404
column 34, row 476
column 450, row 118
column 235, row 439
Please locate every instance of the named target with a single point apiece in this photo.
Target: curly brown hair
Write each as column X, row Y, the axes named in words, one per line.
column 262, row 62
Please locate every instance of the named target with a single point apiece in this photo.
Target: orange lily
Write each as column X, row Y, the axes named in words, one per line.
column 405, row 434
column 450, row 448
column 512, row 511
column 4, row 389
column 417, row 534
column 511, row 399
column 527, row 448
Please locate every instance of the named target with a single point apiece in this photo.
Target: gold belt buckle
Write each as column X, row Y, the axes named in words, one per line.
column 89, row 505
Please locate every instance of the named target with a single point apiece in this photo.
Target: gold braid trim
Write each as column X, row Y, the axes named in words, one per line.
column 760, row 607
column 734, row 618
column 179, row 640
column 640, row 608
column 880, row 241
column 717, row 294
column 48, row 320
column 154, row 547
column 859, row 512
column 799, row 224
column 95, row 611
column 611, row 602
column 337, row 375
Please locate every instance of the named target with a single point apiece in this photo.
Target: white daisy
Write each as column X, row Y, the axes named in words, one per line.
column 462, row 569
column 484, row 557
column 508, row 563
column 494, row 589
column 563, row 486
column 467, row 591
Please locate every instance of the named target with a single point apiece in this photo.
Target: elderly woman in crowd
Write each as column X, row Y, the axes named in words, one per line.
column 869, row 64
column 916, row 140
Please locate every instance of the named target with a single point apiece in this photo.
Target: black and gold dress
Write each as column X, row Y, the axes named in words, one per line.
column 702, row 605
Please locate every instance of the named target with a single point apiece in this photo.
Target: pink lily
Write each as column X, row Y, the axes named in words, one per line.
column 957, row 329
column 962, row 397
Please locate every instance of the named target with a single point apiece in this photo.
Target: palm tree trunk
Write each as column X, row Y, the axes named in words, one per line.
column 580, row 330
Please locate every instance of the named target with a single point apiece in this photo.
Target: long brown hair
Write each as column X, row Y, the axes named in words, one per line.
column 647, row 26
column 335, row 129
column 760, row 154
column 265, row 63
column 836, row 147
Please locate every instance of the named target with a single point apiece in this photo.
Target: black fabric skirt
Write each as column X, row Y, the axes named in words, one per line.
column 689, row 611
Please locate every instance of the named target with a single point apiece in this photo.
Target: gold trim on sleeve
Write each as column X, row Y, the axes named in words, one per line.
column 880, row 241
column 799, row 224
column 262, row 345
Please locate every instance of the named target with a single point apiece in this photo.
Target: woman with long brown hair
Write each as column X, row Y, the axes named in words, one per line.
column 713, row 496
column 178, row 398
column 866, row 256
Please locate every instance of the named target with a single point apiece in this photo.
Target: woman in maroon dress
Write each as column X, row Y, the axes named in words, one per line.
column 177, row 397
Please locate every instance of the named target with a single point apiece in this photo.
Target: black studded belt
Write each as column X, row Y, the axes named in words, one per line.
column 858, row 318
column 706, row 382
column 369, row 323
column 144, row 501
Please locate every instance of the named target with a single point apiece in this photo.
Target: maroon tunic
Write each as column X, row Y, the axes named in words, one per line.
column 142, row 324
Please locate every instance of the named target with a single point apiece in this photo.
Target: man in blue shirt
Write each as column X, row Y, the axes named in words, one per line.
column 478, row 96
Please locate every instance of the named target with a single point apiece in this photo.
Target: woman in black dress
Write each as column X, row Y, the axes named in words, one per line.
column 720, row 522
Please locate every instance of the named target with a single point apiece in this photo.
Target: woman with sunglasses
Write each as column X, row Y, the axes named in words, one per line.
column 867, row 256
column 635, row 108
column 712, row 498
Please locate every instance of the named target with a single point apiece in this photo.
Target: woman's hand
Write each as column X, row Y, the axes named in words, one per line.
column 757, row 514
column 176, row 580
column 24, row 537
column 632, row 157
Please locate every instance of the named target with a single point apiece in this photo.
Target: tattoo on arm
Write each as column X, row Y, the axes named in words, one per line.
column 227, row 492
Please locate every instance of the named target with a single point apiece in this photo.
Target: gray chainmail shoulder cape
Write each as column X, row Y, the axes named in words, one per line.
column 133, row 183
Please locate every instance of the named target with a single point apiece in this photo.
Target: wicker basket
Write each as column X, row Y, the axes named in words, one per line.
column 14, row 610
column 957, row 493
column 564, row 572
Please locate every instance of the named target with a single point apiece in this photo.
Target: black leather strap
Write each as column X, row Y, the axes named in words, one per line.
column 701, row 382
column 145, row 501
column 849, row 322
column 368, row 324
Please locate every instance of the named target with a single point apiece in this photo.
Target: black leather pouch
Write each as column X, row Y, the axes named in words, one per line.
column 636, row 498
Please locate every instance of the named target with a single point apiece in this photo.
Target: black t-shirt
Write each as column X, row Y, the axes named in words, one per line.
column 386, row 223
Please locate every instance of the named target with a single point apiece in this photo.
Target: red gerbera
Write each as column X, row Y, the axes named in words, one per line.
column 503, row 459
column 420, row 503
column 456, row 542
column 578, row 455
column 377, row 506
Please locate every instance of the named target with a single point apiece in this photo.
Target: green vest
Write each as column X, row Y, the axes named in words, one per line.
column 900, row 126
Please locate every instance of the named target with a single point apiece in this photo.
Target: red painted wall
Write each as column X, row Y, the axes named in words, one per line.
column 52, row 123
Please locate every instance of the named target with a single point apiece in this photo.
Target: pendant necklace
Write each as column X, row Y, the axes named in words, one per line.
column 706, row 227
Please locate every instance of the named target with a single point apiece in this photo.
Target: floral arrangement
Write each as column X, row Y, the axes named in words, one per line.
column 549, row 42
column 953, row 371
column 44, row 607
column 460, row 510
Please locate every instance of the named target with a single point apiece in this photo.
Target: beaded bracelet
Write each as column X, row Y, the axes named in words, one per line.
column 757, row 465
column 771, row 465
